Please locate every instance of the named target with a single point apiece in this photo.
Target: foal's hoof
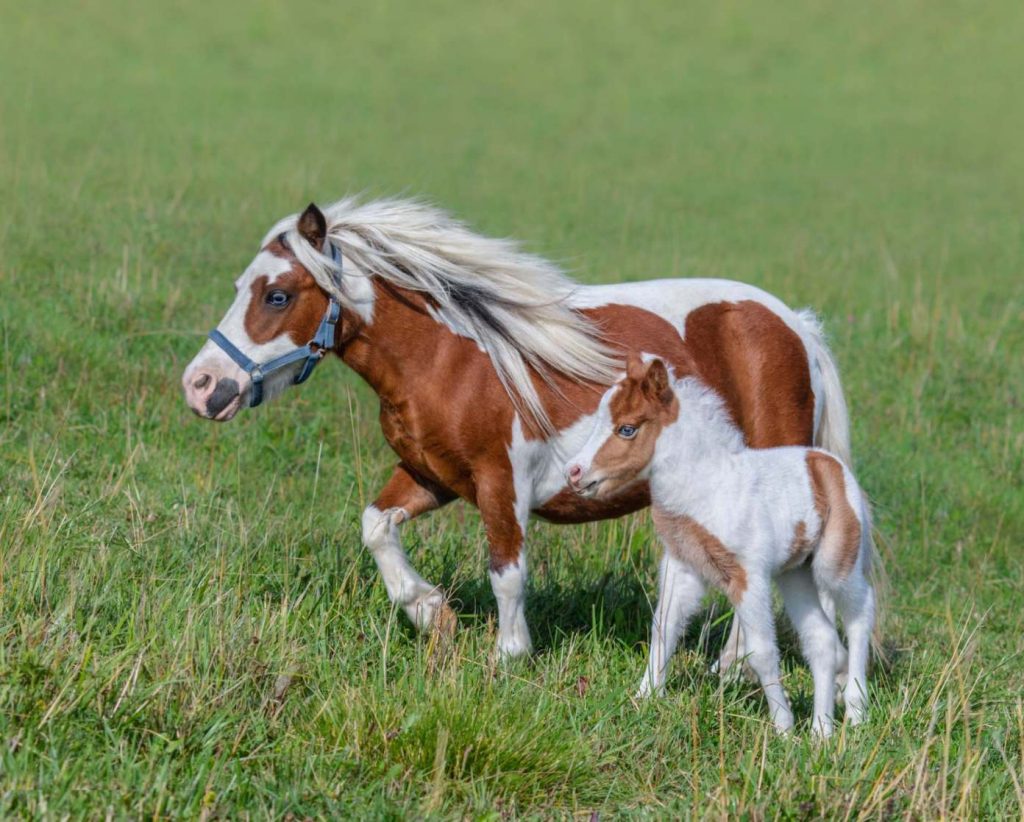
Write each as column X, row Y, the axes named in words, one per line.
column 729, row 668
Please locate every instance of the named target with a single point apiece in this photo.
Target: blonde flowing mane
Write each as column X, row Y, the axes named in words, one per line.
column 511, row 303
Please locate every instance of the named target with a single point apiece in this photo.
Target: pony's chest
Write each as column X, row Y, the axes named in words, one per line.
column 421, row 447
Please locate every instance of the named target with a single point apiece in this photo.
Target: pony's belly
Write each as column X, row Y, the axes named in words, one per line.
column 567, row 508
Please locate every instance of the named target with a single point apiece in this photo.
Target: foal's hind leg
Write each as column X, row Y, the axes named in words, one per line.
column 680, row 590
column 856, row 602
column 403, row 497
column 828, row 605
column 818, row 640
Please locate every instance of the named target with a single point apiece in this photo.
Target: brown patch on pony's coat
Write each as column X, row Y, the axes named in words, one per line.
column 758, row 365
column 412, row 493
column 840, row 526
column 300, row 318
column 693, row 544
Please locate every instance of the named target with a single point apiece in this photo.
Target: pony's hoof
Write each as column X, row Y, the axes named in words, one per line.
column 431, row 612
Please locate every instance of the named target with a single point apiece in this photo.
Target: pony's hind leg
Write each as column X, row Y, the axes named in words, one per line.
column 818, row 641
column 403, row 497
column 680, row 590
column 754, row 610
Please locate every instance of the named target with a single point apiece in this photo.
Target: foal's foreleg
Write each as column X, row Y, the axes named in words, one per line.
column 754, row 610
column 680, row 590
column 404, row 496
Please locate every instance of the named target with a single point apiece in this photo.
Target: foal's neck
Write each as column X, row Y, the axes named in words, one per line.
column 702, row 433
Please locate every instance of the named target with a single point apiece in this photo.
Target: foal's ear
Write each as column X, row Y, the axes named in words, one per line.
column 655, row 383
column 634, row 366
column 313, row 226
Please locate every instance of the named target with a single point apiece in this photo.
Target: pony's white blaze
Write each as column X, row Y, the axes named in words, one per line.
column 212, row 371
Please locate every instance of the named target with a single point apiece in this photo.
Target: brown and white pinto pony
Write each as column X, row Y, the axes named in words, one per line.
column 489, row 364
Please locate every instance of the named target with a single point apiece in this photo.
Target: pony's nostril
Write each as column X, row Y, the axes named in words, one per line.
column 574, row 472
column 202, row 381
column 221, row 397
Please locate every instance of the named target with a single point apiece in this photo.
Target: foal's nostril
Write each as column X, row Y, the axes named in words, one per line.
column 575, row 471
column 222, row 395
column 201, row 381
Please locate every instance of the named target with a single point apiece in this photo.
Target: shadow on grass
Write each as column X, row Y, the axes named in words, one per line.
column 615, row 605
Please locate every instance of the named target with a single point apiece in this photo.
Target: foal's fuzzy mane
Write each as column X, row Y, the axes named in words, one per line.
column 703, row 411
column 511, row 303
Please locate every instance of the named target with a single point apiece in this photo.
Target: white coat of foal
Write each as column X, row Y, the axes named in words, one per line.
column 738, row 517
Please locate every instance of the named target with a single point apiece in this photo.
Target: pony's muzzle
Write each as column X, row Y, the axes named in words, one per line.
column 212, row 397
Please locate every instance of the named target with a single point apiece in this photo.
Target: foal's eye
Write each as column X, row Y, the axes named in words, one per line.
column 627, row 432
column 277, row 298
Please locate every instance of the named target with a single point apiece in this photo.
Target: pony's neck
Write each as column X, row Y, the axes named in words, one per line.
column 388, row 352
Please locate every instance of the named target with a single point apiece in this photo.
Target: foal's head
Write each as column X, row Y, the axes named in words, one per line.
column 278, row 306
column 628, row 421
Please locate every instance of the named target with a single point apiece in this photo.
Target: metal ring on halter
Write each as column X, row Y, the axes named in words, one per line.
column 312, row 352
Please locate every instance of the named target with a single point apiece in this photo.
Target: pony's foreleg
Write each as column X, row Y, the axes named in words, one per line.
column 506, row 530
column 403, row 497
column 680, row 590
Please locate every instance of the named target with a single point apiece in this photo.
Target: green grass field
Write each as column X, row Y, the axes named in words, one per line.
column 188, row 624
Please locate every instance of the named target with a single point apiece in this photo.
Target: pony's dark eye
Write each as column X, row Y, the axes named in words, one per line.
column 277, row 298
column 627, row 432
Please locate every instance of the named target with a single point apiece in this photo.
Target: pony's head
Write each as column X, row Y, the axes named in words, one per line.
column 628, row 421
column 278, row 308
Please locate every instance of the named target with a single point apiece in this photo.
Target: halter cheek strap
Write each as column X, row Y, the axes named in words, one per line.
column 312, row 352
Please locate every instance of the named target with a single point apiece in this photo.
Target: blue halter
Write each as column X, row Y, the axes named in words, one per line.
column 312, row 352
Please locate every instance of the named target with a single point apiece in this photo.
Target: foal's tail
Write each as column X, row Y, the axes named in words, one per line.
column 833, row 430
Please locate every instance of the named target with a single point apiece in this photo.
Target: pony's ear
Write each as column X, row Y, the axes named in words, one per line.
column 313, row 226
column 655, row 383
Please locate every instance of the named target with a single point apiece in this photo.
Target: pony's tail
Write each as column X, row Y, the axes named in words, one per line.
column 833, row 434
column 833, row 431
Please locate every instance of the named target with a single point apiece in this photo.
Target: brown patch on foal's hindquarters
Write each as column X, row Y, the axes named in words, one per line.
column 800, row 546
column 758, row 365
column 692, row 543
column 840, row 525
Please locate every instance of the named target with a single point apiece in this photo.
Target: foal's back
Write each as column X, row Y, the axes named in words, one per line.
column 775, row 506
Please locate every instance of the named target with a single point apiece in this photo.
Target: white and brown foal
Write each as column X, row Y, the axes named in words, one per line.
column 738, row 517
column 489, row 364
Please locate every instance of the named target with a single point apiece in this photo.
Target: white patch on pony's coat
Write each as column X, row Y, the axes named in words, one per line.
column 509, row 586
column 406, row 588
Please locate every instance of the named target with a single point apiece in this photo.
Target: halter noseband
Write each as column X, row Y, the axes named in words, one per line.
column 312, row 352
